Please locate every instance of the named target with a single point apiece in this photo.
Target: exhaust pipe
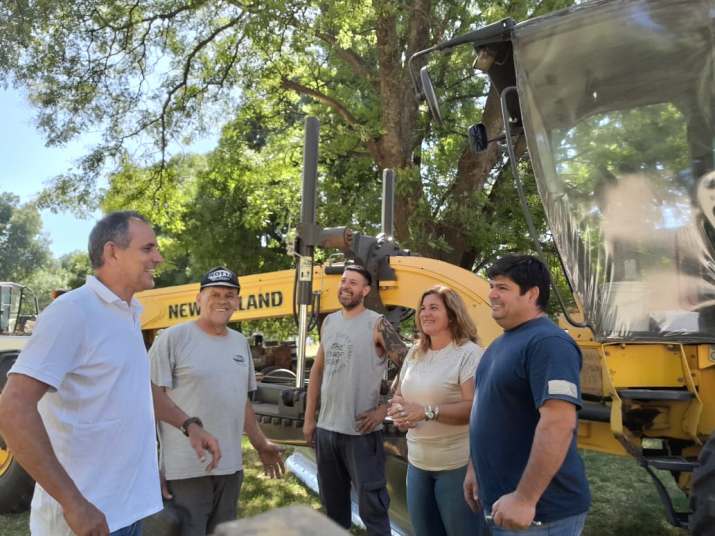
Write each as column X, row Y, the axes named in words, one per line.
column 308, row 235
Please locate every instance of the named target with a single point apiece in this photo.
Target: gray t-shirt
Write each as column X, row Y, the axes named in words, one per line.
column 207, row 376
column 353, row 371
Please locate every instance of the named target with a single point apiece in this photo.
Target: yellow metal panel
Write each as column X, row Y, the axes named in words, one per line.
column 705, row 379
column 592, row 371
column 644, row 365
column 599, row 437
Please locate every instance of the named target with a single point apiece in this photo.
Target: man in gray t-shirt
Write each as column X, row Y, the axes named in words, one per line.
column 346, row 375
column 207, row 368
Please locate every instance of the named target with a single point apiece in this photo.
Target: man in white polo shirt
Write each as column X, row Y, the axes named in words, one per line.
column 78, row 407
column 207, row 369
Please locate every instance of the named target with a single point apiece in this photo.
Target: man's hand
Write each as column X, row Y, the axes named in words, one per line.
column 309, row 431
column 201, row 441
column 512, row 511
column 471, row 489
column 85, row 519
column 369, row 420
column 270, row 455
column 165, row 493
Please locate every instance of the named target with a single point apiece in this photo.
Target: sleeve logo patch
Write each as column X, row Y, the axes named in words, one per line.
column 562, row 387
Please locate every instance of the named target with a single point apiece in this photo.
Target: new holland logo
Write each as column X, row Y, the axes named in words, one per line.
column 263, row 300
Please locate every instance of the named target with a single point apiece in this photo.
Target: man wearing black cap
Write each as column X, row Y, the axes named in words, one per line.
column 206, row 368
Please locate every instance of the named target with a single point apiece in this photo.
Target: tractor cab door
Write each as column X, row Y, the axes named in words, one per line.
column 18, row 309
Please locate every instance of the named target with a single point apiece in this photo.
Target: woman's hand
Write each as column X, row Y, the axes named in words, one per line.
column 405, row 414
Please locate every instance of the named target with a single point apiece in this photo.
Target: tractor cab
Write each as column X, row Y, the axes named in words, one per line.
column 616, row 103
column 18, row 309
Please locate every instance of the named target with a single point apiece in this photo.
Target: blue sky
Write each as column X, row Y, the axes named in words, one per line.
column 27, row 165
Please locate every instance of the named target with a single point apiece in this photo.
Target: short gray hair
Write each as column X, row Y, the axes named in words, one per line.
column 114, row 227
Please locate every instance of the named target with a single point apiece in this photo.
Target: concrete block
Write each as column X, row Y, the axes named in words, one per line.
column 288, row 521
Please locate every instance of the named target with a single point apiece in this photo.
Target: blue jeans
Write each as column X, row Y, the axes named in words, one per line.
column 135, row 529
column 436, row 504
column 568, row 526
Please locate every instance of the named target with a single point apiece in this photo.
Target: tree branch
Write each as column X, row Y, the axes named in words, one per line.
column 331, row 102
column 191, row 6
column 183, row 83
column 348, row 56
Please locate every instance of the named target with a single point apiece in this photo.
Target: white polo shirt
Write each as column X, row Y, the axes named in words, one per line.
column 87, row 346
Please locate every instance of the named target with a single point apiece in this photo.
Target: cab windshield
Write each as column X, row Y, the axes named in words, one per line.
column 617, row 103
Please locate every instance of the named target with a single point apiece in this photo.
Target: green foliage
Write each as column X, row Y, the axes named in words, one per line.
column 153, row 73
column 25, row 253
column 66, row 273
column 46, row 279
column 77, row 266
column 23, row 248
column 232, row 207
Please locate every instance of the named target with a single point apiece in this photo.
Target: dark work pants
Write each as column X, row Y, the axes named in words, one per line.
column 207, row 501
column 344, row 459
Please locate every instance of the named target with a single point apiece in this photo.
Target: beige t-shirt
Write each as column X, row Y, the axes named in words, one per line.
column 208, row 377
column 435, row 379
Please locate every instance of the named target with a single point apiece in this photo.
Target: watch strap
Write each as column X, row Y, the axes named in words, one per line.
column 188, row 422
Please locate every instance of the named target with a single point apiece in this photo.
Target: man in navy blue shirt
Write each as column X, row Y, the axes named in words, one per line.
column 525, row 471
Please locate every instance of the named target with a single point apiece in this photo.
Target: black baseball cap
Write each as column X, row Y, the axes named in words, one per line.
column 220, row 277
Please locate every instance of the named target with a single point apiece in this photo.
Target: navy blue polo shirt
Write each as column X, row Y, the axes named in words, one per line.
column 520, row 370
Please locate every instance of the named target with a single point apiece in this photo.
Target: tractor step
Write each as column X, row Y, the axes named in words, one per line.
column 655, row 394
column 671, row 463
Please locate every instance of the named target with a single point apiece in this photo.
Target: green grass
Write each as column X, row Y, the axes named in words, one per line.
column 14, row 525
column 625, row 502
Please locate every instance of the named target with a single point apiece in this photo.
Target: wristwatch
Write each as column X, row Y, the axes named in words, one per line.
column 188, row 422
column 431, row 413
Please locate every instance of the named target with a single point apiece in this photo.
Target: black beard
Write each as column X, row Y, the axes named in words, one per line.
column 351, row 304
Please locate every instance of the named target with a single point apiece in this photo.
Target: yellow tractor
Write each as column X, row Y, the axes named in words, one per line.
column 615, row 104
column 18, row 312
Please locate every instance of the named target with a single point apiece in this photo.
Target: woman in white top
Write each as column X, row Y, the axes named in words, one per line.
column 433, row 401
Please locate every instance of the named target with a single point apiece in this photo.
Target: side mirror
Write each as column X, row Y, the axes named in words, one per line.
column 478, row 140
column 477, row 135
column 430, row 95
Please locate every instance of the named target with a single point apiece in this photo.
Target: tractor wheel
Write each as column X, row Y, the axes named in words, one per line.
column 16, row 485
column 702, row 493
